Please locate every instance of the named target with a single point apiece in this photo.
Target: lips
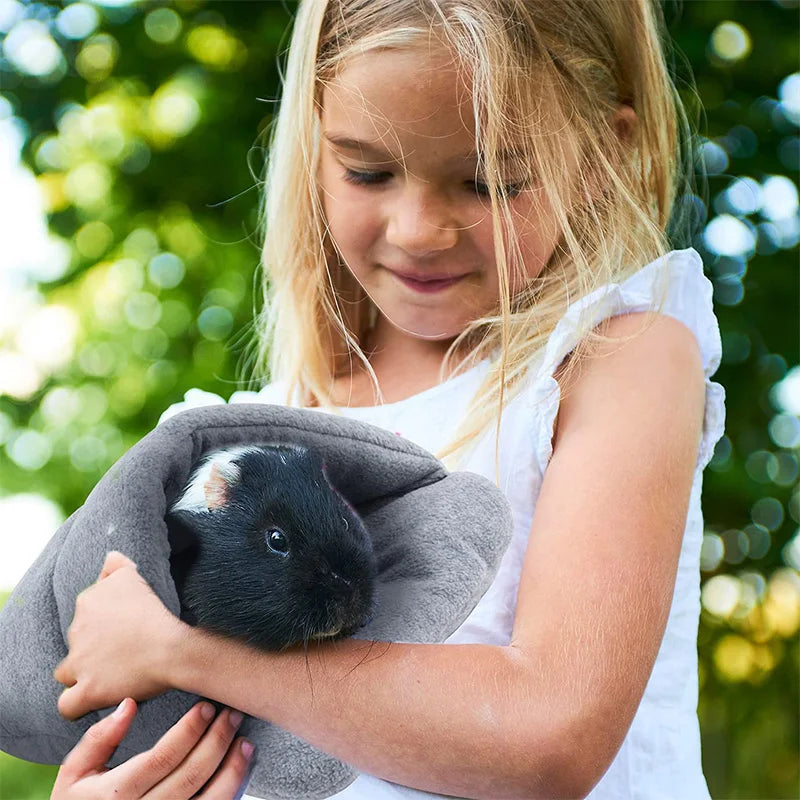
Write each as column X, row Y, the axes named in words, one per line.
column 427, row 277
column 427, row 282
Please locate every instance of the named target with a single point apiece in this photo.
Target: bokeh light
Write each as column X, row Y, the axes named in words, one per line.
column 97, row 57
column 77, row 20
column 98, row 358
column 743, row 196
column 712, row 551
column 19, row 378
column 29, row 449
column 166, row 270
column 60, row 406
column 789, row 94
column 141, row 244
column 720, row 595
column 759, row 541
column 729, row 236
column 215, row 323
column 174, row 111
column 730, row 41
column 163, row 25
column 779, row 198
column 785, row 395
column 142, row 310
column 31, row 49
column 11, row 11
column 784, row 430
column 47, row 336
column 215, row 47
column 87, row 453
column 712, row 158
column 88, row 185
column 38, row 517
column 758, row 465
column 93, row 239
column 791, row 552
column 767, row 511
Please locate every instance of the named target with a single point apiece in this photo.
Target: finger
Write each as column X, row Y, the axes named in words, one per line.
column 231, row 779
column 71, row 704
column 114, row 561
column 97, row 745
column 195, row 770
column 138, row 775
column 63, row 673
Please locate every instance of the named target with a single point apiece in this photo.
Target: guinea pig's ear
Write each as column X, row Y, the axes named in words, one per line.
column 211, row 483
column 216, row 488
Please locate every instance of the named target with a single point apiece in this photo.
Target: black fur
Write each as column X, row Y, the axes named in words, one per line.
column 230, row 581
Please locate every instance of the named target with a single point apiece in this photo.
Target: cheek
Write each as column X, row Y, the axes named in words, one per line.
column 351, row 219
column 537, row 233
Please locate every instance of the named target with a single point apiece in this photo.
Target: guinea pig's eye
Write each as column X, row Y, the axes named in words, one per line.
column 276, row 541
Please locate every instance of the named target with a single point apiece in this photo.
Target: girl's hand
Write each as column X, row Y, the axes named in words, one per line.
column 177, row 767
column 119, row 642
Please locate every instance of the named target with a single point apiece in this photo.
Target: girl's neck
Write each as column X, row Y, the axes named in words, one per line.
column 393, row 352
column 404, row 366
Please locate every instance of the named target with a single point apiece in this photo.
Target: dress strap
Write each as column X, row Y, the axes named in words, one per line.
column 673, row 284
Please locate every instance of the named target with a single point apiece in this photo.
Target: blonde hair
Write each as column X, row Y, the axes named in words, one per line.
column 611, row 52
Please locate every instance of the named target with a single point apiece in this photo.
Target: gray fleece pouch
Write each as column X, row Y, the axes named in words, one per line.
column 438, row 537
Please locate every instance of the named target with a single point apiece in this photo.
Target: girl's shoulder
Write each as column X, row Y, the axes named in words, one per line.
column 675, row 285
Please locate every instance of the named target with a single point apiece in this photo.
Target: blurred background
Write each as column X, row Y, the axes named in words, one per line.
column 131, row 157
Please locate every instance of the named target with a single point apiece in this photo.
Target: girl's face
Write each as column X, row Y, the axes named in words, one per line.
column 398, row 179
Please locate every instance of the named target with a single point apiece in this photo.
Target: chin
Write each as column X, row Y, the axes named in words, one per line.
column 427, row 331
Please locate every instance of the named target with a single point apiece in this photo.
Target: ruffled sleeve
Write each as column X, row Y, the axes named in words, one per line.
column 676, row 280
column 195, row 398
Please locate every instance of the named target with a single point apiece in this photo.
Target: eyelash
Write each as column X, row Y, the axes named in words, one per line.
column 374, row 178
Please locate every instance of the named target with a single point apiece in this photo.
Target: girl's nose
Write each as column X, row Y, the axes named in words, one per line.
column 420, row 224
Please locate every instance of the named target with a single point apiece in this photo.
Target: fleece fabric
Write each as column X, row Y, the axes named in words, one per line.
column 438, row 537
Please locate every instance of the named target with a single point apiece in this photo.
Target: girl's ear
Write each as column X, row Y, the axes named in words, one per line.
column 624, row 125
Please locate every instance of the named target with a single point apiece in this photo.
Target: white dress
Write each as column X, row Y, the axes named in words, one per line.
column 660, row 755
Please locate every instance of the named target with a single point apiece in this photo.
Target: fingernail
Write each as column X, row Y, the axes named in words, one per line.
column 235, row 718
column 206, row 710
column 120, row 709
column 247, row 749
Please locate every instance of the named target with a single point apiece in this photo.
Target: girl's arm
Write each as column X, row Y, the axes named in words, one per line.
column 542, row 717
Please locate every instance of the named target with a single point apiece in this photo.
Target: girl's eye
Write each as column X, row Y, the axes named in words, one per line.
column 277, row 541
column 373, row 178
column 509, row 189
column 365, row 178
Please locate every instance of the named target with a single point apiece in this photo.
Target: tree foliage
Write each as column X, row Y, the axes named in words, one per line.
column 145, row 135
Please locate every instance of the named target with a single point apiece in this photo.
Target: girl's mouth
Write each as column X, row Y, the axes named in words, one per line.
column 427, row 287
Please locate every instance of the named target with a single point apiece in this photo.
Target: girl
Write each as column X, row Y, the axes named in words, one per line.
column 465, row 243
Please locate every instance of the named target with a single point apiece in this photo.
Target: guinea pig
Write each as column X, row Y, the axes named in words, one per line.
column 264, row 548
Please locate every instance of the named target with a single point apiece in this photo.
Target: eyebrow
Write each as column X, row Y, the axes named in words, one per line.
column 348, row 143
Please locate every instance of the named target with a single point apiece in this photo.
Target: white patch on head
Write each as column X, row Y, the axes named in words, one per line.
column 194, row 497
column 112, row 528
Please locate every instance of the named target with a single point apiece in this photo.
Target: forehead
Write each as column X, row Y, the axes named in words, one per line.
column 398, row 98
